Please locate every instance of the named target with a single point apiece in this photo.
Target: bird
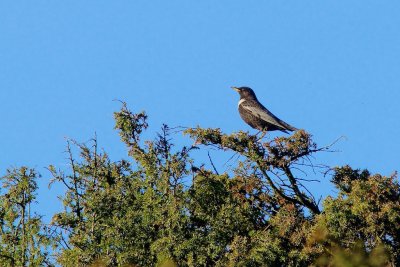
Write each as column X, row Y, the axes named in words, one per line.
column 256, row 115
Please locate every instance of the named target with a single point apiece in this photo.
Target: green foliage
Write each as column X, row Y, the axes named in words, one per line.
column 162, row 208
column 366, row 211
column 357, row 256
column 23, row 239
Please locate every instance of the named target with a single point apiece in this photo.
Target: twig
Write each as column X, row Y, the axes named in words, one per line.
column 231, row 158
column 212, row 163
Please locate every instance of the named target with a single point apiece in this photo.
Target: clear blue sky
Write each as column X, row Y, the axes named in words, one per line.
column 330, row 67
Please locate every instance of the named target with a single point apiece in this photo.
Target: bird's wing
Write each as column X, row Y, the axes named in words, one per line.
column 260, row 111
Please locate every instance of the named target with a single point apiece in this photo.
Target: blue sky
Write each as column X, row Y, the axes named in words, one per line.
column 330, row 67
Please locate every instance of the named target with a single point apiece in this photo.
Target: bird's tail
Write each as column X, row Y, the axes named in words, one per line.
column 287, row 126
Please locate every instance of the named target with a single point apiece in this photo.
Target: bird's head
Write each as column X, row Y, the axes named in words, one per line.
column 245, row 92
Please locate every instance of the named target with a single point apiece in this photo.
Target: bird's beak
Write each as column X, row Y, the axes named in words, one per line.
column 235, row 88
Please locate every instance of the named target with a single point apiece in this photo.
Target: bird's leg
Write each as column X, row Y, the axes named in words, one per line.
column 264, row 132
column 256, row 135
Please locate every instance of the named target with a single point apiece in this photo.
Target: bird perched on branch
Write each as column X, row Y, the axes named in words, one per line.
column 256, row 115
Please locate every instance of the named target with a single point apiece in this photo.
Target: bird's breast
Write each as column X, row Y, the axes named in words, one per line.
column 241, row 101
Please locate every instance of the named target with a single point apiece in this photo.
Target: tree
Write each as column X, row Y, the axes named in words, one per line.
column 364, row 217
column 118, row 214
column 161, row 207
column 23, row 239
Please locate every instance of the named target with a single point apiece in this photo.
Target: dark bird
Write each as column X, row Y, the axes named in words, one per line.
column 256, row 115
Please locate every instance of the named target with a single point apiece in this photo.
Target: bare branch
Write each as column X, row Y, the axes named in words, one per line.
column 212, row 163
